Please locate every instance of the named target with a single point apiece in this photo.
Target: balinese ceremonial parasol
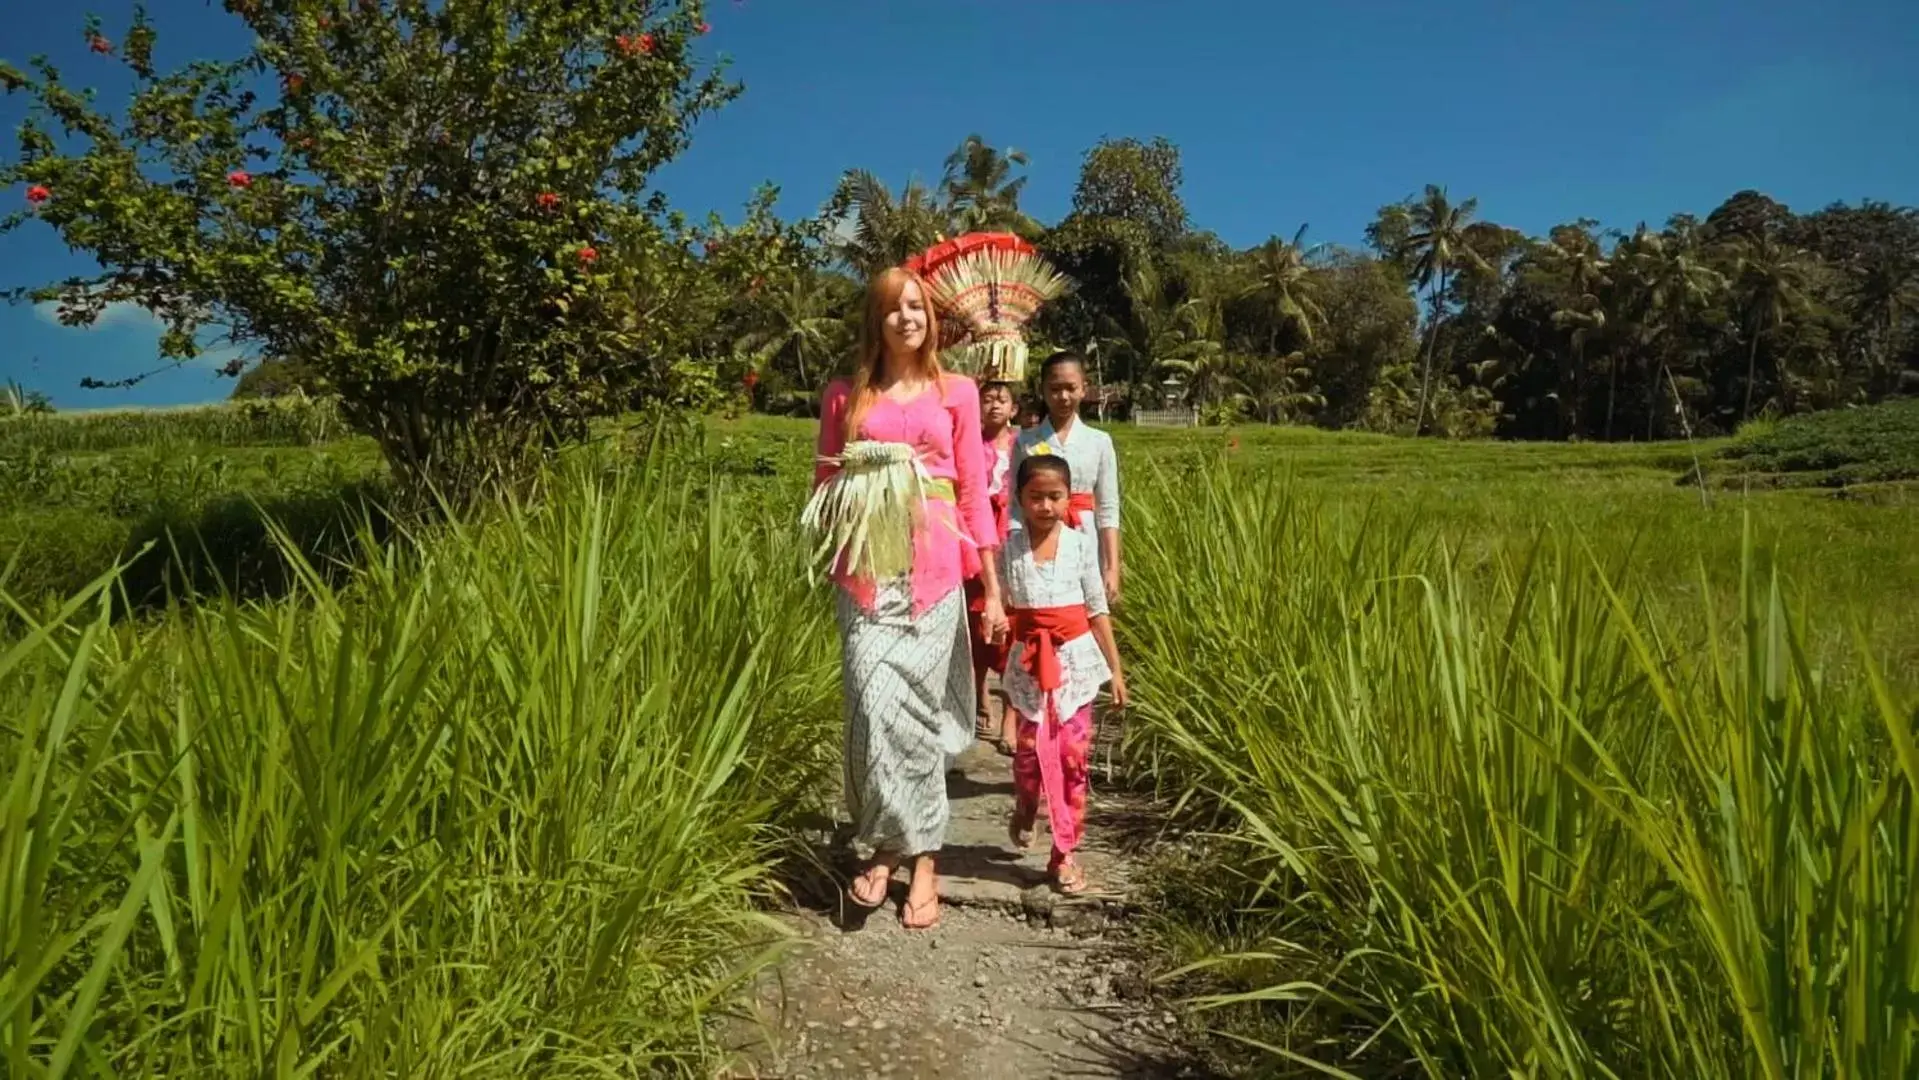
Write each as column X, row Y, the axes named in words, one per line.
column 991, row 284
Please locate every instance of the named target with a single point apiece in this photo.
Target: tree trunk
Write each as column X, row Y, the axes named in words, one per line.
column 1752, row 373
column 1569, row 391
column 1426, row 377
column 1612, row 393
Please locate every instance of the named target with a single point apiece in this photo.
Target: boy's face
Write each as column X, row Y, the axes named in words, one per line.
column 1065, row 388
column 996, row 406
column 1043, row 500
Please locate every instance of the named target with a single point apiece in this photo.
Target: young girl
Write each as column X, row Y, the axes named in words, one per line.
column 996, row 435
column 1062, row 651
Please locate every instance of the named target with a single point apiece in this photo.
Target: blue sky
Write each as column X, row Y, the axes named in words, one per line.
column 1619, row 110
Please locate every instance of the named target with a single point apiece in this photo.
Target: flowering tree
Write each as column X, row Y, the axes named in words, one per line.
column 442, row 209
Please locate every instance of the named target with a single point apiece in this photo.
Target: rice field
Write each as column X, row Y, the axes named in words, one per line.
column 1505, row 761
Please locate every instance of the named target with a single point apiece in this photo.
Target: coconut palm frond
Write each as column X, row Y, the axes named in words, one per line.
column 865, row 514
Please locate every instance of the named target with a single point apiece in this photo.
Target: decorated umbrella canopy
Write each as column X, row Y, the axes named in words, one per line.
column 991, row 285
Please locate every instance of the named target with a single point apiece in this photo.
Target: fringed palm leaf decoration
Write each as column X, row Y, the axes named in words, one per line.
column 865, row 514
column 992, row 284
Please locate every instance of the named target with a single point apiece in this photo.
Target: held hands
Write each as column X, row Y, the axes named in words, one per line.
column 993, row 621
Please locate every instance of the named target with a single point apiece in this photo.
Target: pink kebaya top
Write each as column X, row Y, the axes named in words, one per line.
column 942, row 427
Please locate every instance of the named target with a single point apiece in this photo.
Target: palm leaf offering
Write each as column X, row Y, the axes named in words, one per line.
column 864, row 515
column 991, row 284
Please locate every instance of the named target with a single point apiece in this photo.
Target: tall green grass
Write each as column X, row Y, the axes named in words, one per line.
column 1493, row 815
column 502, row 804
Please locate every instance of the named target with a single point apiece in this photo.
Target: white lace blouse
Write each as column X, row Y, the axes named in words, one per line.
column 1072, row 578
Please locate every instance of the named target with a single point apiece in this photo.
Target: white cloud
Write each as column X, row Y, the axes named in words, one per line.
column 144, row 323
column 118, row 313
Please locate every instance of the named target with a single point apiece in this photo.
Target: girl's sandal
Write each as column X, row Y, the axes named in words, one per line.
column 1069, row 879
column 867, row 877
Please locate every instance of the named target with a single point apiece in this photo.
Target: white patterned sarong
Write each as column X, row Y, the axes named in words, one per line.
column 909, row 713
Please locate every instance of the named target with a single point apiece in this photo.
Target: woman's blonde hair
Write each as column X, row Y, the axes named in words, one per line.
column 882, row 296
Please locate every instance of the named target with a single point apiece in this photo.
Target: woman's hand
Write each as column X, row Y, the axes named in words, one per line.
column 1110, row 579
column 993, row 619
column 1120, row 696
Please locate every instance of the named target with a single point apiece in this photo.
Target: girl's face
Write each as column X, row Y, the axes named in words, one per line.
column 905, row 325
column 1043, row 500
column 996, row 406
column 1065, row 388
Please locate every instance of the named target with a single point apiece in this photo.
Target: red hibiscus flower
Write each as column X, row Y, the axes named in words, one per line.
column 293, row 82
column 712, row 246
column 704, row 28
column 750, row 380
column 546, row 200
column 99, row 44
column 646, row 43
column 38, row 194
column 239, row 178
column 589, row 255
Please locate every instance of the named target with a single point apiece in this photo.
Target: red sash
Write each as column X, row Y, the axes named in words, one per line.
column 1077, row 505
column 1040, row 632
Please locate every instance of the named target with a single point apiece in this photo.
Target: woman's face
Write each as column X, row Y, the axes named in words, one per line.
column 905, row 325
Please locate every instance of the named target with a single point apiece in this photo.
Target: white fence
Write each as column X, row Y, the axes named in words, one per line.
column 1166, row 417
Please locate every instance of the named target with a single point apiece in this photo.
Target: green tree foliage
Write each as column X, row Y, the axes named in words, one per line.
column 442, row 209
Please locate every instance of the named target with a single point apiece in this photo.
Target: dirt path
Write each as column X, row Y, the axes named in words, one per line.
column 1015, row 982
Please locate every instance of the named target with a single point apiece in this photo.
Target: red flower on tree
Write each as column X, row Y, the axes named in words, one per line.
column 239, row 178
column 704, row 28
column 712, row 246
column 589, row 255
column 546, row 200
column 38, row 194
column 293, row 82
column 99, row 44
column 750, row 380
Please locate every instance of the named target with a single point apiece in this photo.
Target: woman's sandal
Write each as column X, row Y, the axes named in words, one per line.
column 866, row 877
column 909, row 907
column 1069, row 879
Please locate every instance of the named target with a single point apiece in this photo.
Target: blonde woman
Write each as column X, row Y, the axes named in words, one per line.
column 907, row 661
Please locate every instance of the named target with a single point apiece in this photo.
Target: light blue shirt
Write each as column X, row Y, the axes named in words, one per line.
column 1089, row 454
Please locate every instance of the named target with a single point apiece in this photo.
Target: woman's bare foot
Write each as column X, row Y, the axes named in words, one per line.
column 868, row 889
column 922, row 908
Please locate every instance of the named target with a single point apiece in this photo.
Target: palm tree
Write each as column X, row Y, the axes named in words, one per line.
column 1769, row 284
column 1283, row 279
column 874, row 230
column 1573, row 251
column 1666, row 282
column 798, row 321
column 1881, row 284
column 1436, row 247
column 982, row 192
column 1160, row 337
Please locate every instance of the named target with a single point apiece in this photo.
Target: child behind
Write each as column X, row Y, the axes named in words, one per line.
column 1062, row 652
column 996, row 434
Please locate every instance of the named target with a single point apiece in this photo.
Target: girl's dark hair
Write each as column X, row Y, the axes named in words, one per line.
column 1064, row 356
column 1040, row 463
